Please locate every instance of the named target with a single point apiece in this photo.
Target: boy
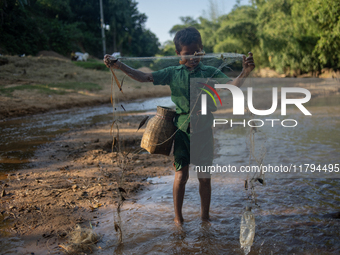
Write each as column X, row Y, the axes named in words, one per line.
column 188, row 43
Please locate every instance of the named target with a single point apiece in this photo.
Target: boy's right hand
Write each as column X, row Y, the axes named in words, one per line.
column 110, row 61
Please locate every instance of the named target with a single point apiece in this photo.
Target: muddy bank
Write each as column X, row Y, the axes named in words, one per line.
column 32, row 85
column 73, row 179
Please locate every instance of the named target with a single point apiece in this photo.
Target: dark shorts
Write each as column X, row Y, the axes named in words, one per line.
column 197, row 148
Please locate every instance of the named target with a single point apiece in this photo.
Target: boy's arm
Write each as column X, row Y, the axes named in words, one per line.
column 137, row 75
column 248, row 66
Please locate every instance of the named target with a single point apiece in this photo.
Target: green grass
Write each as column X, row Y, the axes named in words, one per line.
column 93, row 64
column 40, row 88
column 49, row 88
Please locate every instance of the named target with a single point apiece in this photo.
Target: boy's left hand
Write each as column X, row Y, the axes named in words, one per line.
column 248, row 63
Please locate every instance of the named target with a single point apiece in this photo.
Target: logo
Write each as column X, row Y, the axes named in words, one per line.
column 213, row 90
column 239, row 103
column 204, row 97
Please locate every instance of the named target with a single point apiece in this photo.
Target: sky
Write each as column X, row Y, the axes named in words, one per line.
column 164, row 14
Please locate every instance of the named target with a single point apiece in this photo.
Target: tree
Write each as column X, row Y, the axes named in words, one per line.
column 208, row 30
column 168, row 49
column 326, row 15
column 214, row 10
column 19, row 33
column 127, row 32
column 237, row 31
column 287, row 36
column 186, row 22
column 66, row 25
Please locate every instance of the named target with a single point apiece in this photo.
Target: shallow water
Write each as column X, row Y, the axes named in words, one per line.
column 313, row 142
column 295, row 215
column 286, row 222
column 20, row 137
column 293, row 218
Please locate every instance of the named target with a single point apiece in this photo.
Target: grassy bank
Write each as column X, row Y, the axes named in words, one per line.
column 30, row 85
column 53, row 88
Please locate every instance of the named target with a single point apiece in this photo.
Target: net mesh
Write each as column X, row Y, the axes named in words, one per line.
column 228, row 63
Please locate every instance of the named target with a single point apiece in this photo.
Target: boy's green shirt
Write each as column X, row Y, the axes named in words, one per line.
column 178, row 78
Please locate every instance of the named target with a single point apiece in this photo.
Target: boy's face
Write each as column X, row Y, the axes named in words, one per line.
column 188, row 50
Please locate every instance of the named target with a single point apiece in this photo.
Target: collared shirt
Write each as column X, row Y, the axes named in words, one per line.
column 178, row 78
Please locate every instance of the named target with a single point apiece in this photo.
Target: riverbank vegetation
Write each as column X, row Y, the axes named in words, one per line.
column 290, row 37
column 30, row 26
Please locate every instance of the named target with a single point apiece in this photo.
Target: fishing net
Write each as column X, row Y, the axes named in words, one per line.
column 241, row 138
column 216, row 65
column 81, row 240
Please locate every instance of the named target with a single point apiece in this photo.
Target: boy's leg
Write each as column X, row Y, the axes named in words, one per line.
column 181, row 178
column 202, row 154
column 205, row 193
column 182, row 161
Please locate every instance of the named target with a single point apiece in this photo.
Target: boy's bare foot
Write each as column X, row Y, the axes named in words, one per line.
column 206, row 223
column 205, row 219
column 179, row 222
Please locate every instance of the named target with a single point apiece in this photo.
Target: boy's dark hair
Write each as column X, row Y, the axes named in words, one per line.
column 186, row 37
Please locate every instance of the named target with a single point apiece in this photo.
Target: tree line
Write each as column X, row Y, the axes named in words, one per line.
column 291, row 36
column 29, row 26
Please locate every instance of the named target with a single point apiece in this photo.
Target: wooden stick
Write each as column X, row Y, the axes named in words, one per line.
column 116, row 79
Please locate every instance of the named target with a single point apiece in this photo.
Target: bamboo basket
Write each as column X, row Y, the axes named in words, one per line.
column 158, row 136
